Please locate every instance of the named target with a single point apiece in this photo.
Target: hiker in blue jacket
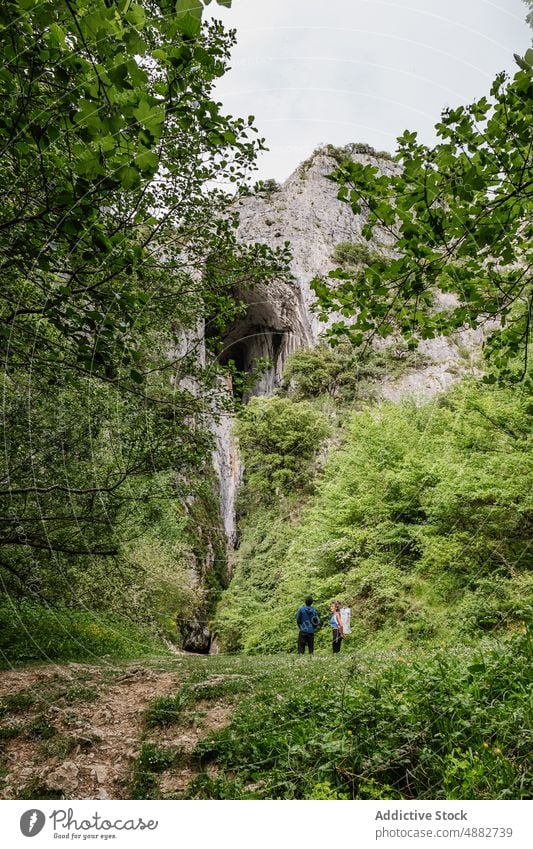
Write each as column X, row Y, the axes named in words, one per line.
column 308, row 620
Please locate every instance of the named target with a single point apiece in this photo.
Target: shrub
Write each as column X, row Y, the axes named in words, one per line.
column 268, row 186
column 346, row 373
column 279, row 441
column 31, row 631
column 353, row 255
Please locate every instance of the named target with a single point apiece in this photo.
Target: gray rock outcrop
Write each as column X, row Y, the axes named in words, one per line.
column 306, row 212
column 280, row 318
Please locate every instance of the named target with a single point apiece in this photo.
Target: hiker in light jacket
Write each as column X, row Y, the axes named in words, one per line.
column 337, row 629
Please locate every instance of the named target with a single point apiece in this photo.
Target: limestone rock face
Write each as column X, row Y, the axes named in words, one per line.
column 196, row 637
column 228, row 470
column 306, row 212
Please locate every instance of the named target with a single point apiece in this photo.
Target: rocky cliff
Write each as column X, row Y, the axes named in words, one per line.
column 305, row 211
column 279, row 318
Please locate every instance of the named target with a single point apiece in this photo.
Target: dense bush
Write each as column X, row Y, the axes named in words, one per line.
column 33, row 632
column 354, row 254
column 248, row 612
column 421, row 521
column 344, row 372
column 279, row 441
column 427, row 725
column 311, row 372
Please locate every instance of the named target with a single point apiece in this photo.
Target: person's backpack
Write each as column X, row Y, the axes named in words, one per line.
column 345, row 618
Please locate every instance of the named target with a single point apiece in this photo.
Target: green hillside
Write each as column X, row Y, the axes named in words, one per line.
column 419, row 518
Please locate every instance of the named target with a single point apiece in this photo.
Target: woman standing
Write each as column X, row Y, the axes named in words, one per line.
column 336, row 626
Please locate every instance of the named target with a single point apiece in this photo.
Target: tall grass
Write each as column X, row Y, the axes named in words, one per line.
column 431, row 725
column 32, row 632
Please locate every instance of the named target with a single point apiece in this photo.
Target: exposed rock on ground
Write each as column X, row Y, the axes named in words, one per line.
column 76, row 731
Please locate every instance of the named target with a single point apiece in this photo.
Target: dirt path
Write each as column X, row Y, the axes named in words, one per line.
column 209, row 717
column 74, row 731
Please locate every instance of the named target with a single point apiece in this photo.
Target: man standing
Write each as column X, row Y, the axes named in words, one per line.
column 308, row 620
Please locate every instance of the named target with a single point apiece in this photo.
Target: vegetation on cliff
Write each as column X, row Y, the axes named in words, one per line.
column 419, row 518
column 113, row 254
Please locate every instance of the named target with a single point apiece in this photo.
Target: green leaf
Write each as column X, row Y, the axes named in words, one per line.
column 58, row 34
column 477, row 667
column 150, row 116
column 193, row 7
column 147, row 160
column 136, row 16
column 189, row 17
column 522, row 62
column 189, row 26
column 128, row 176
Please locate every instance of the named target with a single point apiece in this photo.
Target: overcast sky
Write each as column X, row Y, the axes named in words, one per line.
column 337, row 71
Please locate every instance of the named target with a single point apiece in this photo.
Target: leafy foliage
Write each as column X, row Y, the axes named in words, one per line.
column 438, row 724
column 113, row 255
column 351, row 255
column 247, row 618
column 458, row 217
column 529, row 18
column 31, row 631
column 345, row 373
column 421, row 521
column 339, row 154
column 279, row 441
column 267, row 187
column 98, row 101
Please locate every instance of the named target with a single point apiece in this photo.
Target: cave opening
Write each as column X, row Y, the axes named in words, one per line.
column 238, row 354
column 256, row 338
column 266, row 332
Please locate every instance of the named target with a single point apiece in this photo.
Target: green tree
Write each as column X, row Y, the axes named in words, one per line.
column 529, row 19
column 116, row 248
column 109, row 134
column 279, row 440
column 458, row 218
